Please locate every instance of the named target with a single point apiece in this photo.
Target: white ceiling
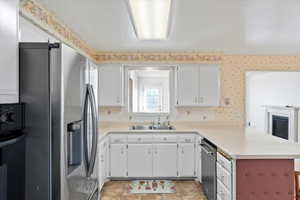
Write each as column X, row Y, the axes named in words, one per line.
column 234, row 26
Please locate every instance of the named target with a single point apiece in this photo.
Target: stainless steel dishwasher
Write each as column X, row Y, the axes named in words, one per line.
column 209, row 171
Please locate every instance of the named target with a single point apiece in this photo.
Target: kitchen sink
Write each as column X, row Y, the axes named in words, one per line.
column 139, row 127
column 151, row 127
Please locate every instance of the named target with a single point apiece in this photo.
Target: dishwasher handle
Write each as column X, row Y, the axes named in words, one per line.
column 205, row 149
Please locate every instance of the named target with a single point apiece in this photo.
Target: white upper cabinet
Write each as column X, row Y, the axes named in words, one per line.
column 209, row 86
column 187, row 85
column 165, row 160
column 111, row 85
column 8, row 58
column 197, row 85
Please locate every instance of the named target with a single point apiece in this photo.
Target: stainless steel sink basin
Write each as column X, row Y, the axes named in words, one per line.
column 151, row 127
column 139, row 127
column 162, row 127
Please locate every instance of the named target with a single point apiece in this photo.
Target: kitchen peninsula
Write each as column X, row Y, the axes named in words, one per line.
column 249, row 164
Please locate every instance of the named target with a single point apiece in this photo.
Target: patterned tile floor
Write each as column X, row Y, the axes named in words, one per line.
column 185, row 190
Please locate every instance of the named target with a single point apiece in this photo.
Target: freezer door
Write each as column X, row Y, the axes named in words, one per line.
column 40, row 90
column 90, row 129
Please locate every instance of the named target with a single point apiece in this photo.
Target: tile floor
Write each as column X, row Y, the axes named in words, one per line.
column 185, row 190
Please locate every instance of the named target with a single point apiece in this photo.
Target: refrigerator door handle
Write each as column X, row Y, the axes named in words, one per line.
column 90, row 162
column 95, row 130
column 85, row 127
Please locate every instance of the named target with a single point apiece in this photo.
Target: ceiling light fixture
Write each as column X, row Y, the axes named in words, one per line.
column 150, row 18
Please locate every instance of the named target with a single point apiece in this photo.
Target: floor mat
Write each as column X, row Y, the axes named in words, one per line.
column 152, row 187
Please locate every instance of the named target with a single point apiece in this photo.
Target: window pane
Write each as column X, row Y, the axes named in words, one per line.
column 149, row 91
column 153, row 103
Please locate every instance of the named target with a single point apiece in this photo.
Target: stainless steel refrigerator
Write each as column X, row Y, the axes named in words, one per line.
column 59, row 88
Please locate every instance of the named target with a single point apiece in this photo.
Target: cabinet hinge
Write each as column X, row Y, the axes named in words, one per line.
column 126, row 146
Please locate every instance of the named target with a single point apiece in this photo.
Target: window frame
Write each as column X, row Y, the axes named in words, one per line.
column 170, row 68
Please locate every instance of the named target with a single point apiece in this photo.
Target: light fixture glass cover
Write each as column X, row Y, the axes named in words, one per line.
column 150, row 18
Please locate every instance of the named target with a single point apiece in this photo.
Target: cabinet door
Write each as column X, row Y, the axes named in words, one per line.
column 209, row 85
column 8, row 57
column 186, row 156
column 198, row 160
column 111, row 85
column 187, row 85
column 140, row 160
column 118, row 160
column 102, row 163
column 165, row 160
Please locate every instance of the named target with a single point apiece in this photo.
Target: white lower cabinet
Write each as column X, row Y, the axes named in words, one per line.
column 222, row 192
column 102, row 163
column 199, row 159
column 118, row 160
column 165, row 160
column 224, row 178
column 186, row 160
column 157, row 155
column 140, row 160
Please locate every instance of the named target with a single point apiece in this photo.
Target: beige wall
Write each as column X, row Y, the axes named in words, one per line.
column 233, row 84
column 233, row 67
column 233, row 79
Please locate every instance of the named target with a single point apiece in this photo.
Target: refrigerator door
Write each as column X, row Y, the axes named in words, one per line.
column 73, row 84
column 79, row 110
column 90, row 130
column 40, row 90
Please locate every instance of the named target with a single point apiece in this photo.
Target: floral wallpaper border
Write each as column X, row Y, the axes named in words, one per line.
column 158, row 57
column 41, row 16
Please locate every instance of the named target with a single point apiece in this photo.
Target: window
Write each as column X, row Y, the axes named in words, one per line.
column 149, row 90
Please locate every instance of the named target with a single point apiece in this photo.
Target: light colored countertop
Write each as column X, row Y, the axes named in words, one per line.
column 234, row 140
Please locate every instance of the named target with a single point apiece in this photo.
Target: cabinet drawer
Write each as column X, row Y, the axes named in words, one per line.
column 117, row 139
column 224, row 176
column 140, row 138
column 222, row 192
column 165, row 138
column 224, row 162
column 187, row 138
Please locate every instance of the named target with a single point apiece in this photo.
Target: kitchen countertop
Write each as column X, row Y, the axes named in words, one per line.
column 236, row 141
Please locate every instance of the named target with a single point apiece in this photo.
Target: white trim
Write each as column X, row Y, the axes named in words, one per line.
column 149, row 116
column 290, row 112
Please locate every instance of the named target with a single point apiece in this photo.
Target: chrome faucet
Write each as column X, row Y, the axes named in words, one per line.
column 158, row 121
